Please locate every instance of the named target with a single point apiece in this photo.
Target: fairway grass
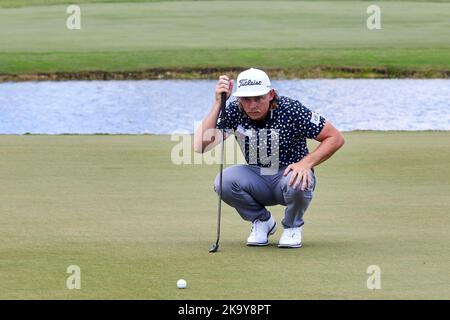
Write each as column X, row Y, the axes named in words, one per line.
column 135, row 223
column 303, row 38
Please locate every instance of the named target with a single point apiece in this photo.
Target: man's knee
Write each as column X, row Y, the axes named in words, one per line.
column 232, row 181
column 289, row 191
column 227, row 183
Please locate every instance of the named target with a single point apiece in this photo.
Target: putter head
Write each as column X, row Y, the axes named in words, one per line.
column 214, row 247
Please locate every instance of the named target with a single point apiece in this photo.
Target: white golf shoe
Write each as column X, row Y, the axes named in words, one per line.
column 261, row 231
column 291, row 238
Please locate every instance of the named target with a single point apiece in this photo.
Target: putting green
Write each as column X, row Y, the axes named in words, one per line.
column 135, row 223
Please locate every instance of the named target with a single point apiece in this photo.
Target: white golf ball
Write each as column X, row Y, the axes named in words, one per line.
column 181, row 284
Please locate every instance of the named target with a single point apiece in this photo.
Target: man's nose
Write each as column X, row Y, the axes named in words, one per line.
column 253, row 103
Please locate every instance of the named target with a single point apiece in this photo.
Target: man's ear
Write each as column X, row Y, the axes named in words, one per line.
column 272, row 93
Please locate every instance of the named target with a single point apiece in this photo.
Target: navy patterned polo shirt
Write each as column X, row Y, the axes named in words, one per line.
column 282, row 136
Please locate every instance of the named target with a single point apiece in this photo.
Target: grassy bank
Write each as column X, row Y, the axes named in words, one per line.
column 135, row 223
column 301, row 38
column 204, row 63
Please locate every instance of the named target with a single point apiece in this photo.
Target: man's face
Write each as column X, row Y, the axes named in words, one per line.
column 257, row 107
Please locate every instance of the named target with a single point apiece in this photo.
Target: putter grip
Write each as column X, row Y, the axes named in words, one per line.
column 223, row 102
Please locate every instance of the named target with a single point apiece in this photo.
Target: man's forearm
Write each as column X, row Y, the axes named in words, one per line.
column 324, row 151
column 208, row 123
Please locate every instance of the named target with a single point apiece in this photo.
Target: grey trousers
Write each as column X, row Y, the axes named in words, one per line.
column 249, row 192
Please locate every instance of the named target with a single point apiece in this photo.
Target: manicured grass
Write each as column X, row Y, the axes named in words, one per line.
column 170, row 34
column 218, row 24
column 394, row 59
column 27, row 3
column 135, row 223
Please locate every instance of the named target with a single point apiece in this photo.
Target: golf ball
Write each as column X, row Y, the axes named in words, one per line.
column 181, row 284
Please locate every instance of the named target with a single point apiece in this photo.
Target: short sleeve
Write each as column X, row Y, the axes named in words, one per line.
column 311, row 123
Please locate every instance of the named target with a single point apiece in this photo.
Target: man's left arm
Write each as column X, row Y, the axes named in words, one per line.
column 330, row 141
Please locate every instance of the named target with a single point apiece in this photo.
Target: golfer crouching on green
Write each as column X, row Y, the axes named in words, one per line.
column 271, row 131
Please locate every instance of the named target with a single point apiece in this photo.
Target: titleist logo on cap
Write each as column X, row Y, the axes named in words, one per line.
column 248, row 82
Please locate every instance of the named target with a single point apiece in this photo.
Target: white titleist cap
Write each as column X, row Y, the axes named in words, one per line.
column 251, row 83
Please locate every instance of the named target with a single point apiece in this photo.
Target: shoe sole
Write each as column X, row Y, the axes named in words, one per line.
column 258, row 244
column 287, row 246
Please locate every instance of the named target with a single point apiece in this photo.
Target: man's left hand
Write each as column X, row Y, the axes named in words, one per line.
column 301, row 172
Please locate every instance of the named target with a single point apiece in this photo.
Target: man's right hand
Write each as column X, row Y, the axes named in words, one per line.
column 224, row 84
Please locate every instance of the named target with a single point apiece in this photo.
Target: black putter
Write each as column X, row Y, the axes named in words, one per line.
column 215, row 246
